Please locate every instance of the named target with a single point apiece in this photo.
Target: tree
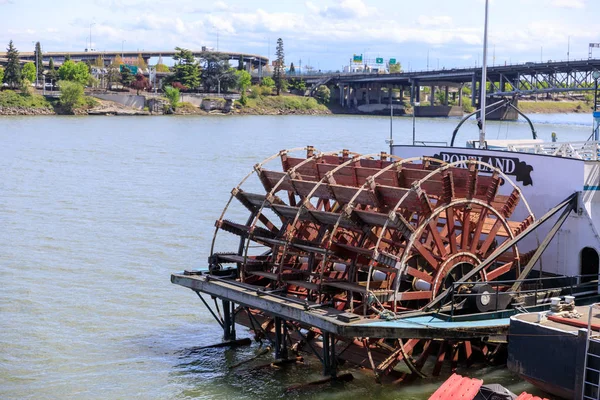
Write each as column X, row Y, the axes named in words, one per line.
column 141, row 63
column 244, row 80
column 240, row 63
column 395, row 68
column 140, row 83
column 278, row 74
column 117, row 60
column 292, row 69
column 99, row 62
column 76, row 72
column 71, row 94
column 216, row 72
column 297, row 84
column 173, row 95
column 323, row 94
column 28, row 72
column 162, row 68
column 126, row 76
column 68, row 57
column 52, row 75
column 1, row 74
column 39, row 59
column 186, row 70
column 12, row 73
column 268, row 82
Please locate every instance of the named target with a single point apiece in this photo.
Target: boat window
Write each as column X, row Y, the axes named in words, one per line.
column 589, row 264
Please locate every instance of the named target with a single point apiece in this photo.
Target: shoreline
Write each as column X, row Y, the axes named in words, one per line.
column 114, row 109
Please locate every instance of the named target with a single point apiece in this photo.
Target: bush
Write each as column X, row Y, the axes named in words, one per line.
column 268, row 82
column 266, row 90
column 71, row 94
column 255, row 91
column 26, row 88
column 172, row 95
column 323, row 94
column 466, row 105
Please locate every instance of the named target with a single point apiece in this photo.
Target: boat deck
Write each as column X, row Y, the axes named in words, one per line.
column 415, row 325
column 570, row 325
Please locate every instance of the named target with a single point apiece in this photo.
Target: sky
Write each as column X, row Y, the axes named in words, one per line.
column 321, row 33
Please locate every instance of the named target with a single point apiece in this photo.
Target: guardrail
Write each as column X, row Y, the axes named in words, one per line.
column 588, row 150
column 574, row 282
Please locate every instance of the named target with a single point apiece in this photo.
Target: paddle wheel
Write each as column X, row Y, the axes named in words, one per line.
column 376, row 236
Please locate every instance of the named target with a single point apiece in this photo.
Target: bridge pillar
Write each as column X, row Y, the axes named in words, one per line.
column 342, row 95
column 354, row 97
column 432, row 95
column 417, row 92
column 460, row 96
column 473, row 91
column 378, row 94
column 260, row 69
column 367, row 93
column 446, row 96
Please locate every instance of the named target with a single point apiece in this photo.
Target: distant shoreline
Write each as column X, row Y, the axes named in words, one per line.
column 274, row 106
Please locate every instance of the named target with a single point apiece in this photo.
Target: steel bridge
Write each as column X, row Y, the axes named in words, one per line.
column 504, row 80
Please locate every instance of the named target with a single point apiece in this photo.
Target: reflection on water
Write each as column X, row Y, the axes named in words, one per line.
column 97, row 212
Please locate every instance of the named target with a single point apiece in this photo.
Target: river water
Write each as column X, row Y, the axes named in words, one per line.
column 96, row 212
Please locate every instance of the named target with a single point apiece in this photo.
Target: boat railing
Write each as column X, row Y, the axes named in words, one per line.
column 430, row 143
column 570, row 285
column 588, row 150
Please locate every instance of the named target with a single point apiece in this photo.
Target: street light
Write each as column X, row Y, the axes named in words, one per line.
column 596, row 75
column 90, row 47
column 122, row 42
column 36, row 63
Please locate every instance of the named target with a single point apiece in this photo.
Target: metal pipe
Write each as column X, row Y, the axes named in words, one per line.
column 483, row 79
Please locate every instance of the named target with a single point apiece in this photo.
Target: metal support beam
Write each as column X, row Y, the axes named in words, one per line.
column 280, row 339
column 540, row 250
column 329, row 356
column 228, row 321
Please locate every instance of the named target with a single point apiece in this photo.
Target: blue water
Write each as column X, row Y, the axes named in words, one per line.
column 95, row 214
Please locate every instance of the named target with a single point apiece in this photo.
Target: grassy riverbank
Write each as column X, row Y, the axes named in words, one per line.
column 287, row 104
column 10, row 98
column 554, row 107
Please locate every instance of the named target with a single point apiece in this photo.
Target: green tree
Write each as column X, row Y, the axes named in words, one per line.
column 297, row 84
column 51, row 75
column 68, row 57
column 12, row 73
column 186, row 70
column 1, row 74
column 216, row 72
column 278, row 74
column 39, row 59
column 323, row 94
column 172, row 95
column 244, row 80
column 26, row 88
column 240, row 63
column 28, row 72
column 71, row 94
column 162, row 68
column 126, row 76
column 292, row 69
column 268, row 82
column 395, row 68
column 76, row 72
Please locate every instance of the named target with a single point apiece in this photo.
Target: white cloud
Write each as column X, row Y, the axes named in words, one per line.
column 434, row 20
column 345, row 9
column 568, row 3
